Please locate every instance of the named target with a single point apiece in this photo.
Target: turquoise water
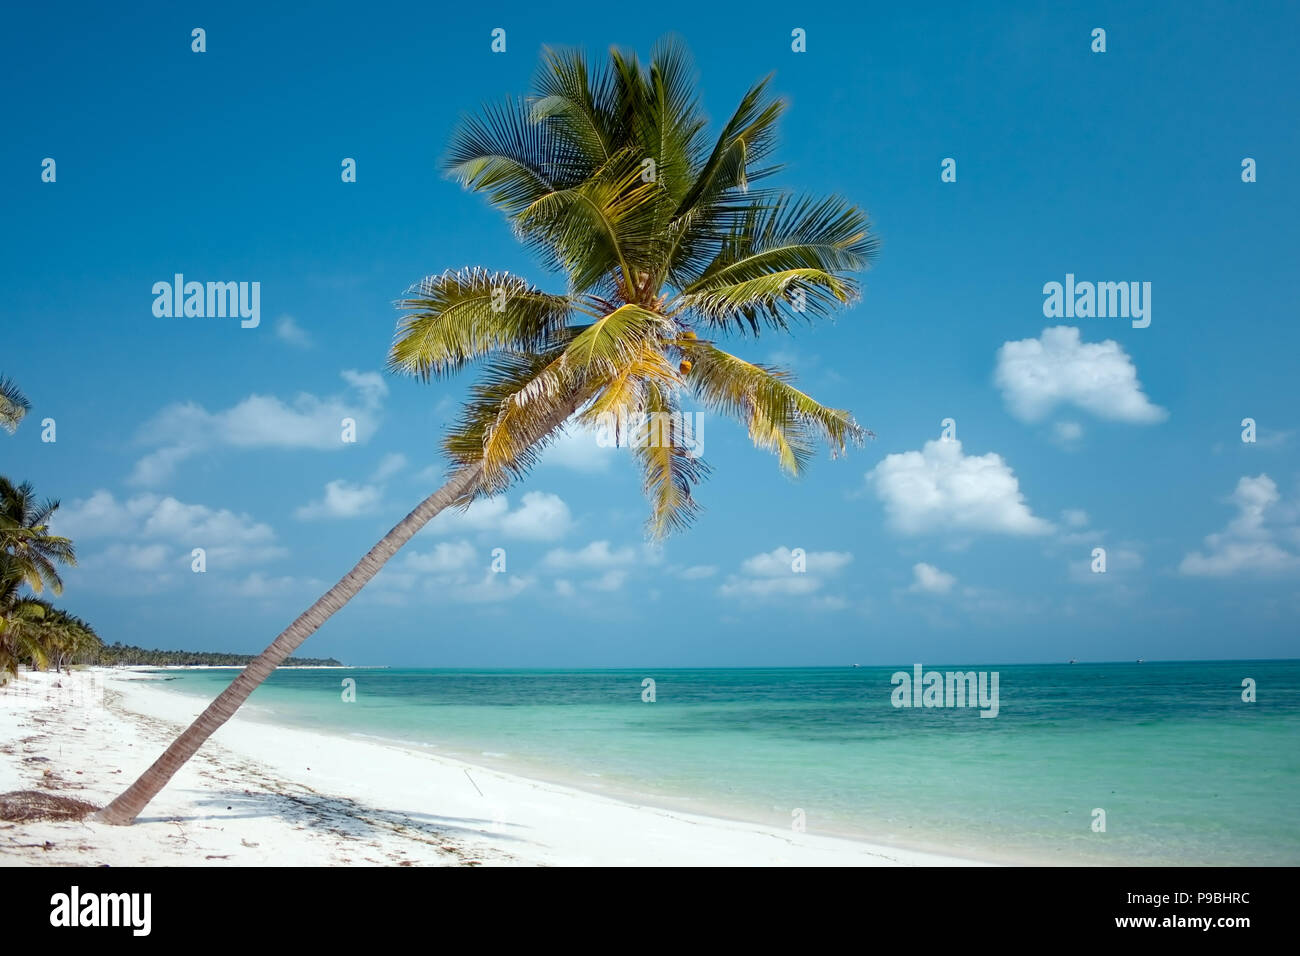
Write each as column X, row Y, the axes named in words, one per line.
column 1186, row 772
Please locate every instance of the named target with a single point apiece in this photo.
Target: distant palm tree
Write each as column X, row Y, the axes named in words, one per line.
column 13, row 405
column 23, row 635
column 663, row 236
column 63, row 637
column 36, row 632
column 32, row 554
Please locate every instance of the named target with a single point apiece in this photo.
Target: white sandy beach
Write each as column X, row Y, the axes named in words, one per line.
column 259, row 795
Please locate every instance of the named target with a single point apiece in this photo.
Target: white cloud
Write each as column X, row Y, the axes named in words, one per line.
column 541, row 516
column 446, row 556
column 772, row 574
column 345, row 499
column 371, row 385
column 598, row 554
column 342, row 500
column 183, row 430
column 1037, row 375
column 698, row 571
column 794, row 585
column 136, row 557
column 779, row 562
column 290, row 332
column 576, row 449
column 153, row 533
column 483, row 514
column 174, row 520
column 101, row 515
column 258, row 585
column 157, row 466
column 938, row 489
column 609, row 581
column 928, row 579
column 485, row 588
column 1262, row 537
column 450, row 572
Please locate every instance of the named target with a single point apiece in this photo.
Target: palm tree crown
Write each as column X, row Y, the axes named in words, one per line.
column 667, row 239
column 29, row 554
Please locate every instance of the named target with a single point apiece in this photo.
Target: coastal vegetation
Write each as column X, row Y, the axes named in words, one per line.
column 32, row 630
column 128, row 655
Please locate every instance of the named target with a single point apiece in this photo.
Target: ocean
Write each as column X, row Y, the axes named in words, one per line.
column 1179, row 768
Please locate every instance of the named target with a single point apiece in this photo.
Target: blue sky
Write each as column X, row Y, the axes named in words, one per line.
column 174, row 433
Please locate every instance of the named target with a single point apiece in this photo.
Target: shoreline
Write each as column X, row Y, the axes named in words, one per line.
column 311, row 797
column 548, row 775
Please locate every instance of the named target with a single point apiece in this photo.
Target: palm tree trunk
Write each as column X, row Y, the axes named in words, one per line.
column 135, row 798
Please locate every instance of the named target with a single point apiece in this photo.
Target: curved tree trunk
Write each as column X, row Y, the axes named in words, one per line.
column 135, row 798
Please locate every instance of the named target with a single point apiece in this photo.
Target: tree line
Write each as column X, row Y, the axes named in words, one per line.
column 121, row 655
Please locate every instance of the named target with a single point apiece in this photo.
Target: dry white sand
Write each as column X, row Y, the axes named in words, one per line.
column 258, row 794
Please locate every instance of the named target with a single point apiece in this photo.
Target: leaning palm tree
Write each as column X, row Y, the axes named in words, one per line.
column 667, row 239
column 13, row 405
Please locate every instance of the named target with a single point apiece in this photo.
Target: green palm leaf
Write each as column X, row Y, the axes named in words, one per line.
column 779, row 417
column 13, row 405
column 457, row 317
column 669, row 467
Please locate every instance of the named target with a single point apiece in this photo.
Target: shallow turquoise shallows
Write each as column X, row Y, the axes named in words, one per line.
column 1185, row 770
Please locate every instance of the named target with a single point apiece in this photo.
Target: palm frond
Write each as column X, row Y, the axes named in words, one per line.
column 516, row 161
column 785, row 260
column 745, row 140
column 457, row 317
column 774, row 298
column 779, row 417
column 598, row 227
column 669, row 467
column 578, row 103
column 512, row 414
column 13, row 405
column 625, row 392
column 601, row 350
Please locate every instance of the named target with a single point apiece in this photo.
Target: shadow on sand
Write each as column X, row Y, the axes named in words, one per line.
column 340, row 815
